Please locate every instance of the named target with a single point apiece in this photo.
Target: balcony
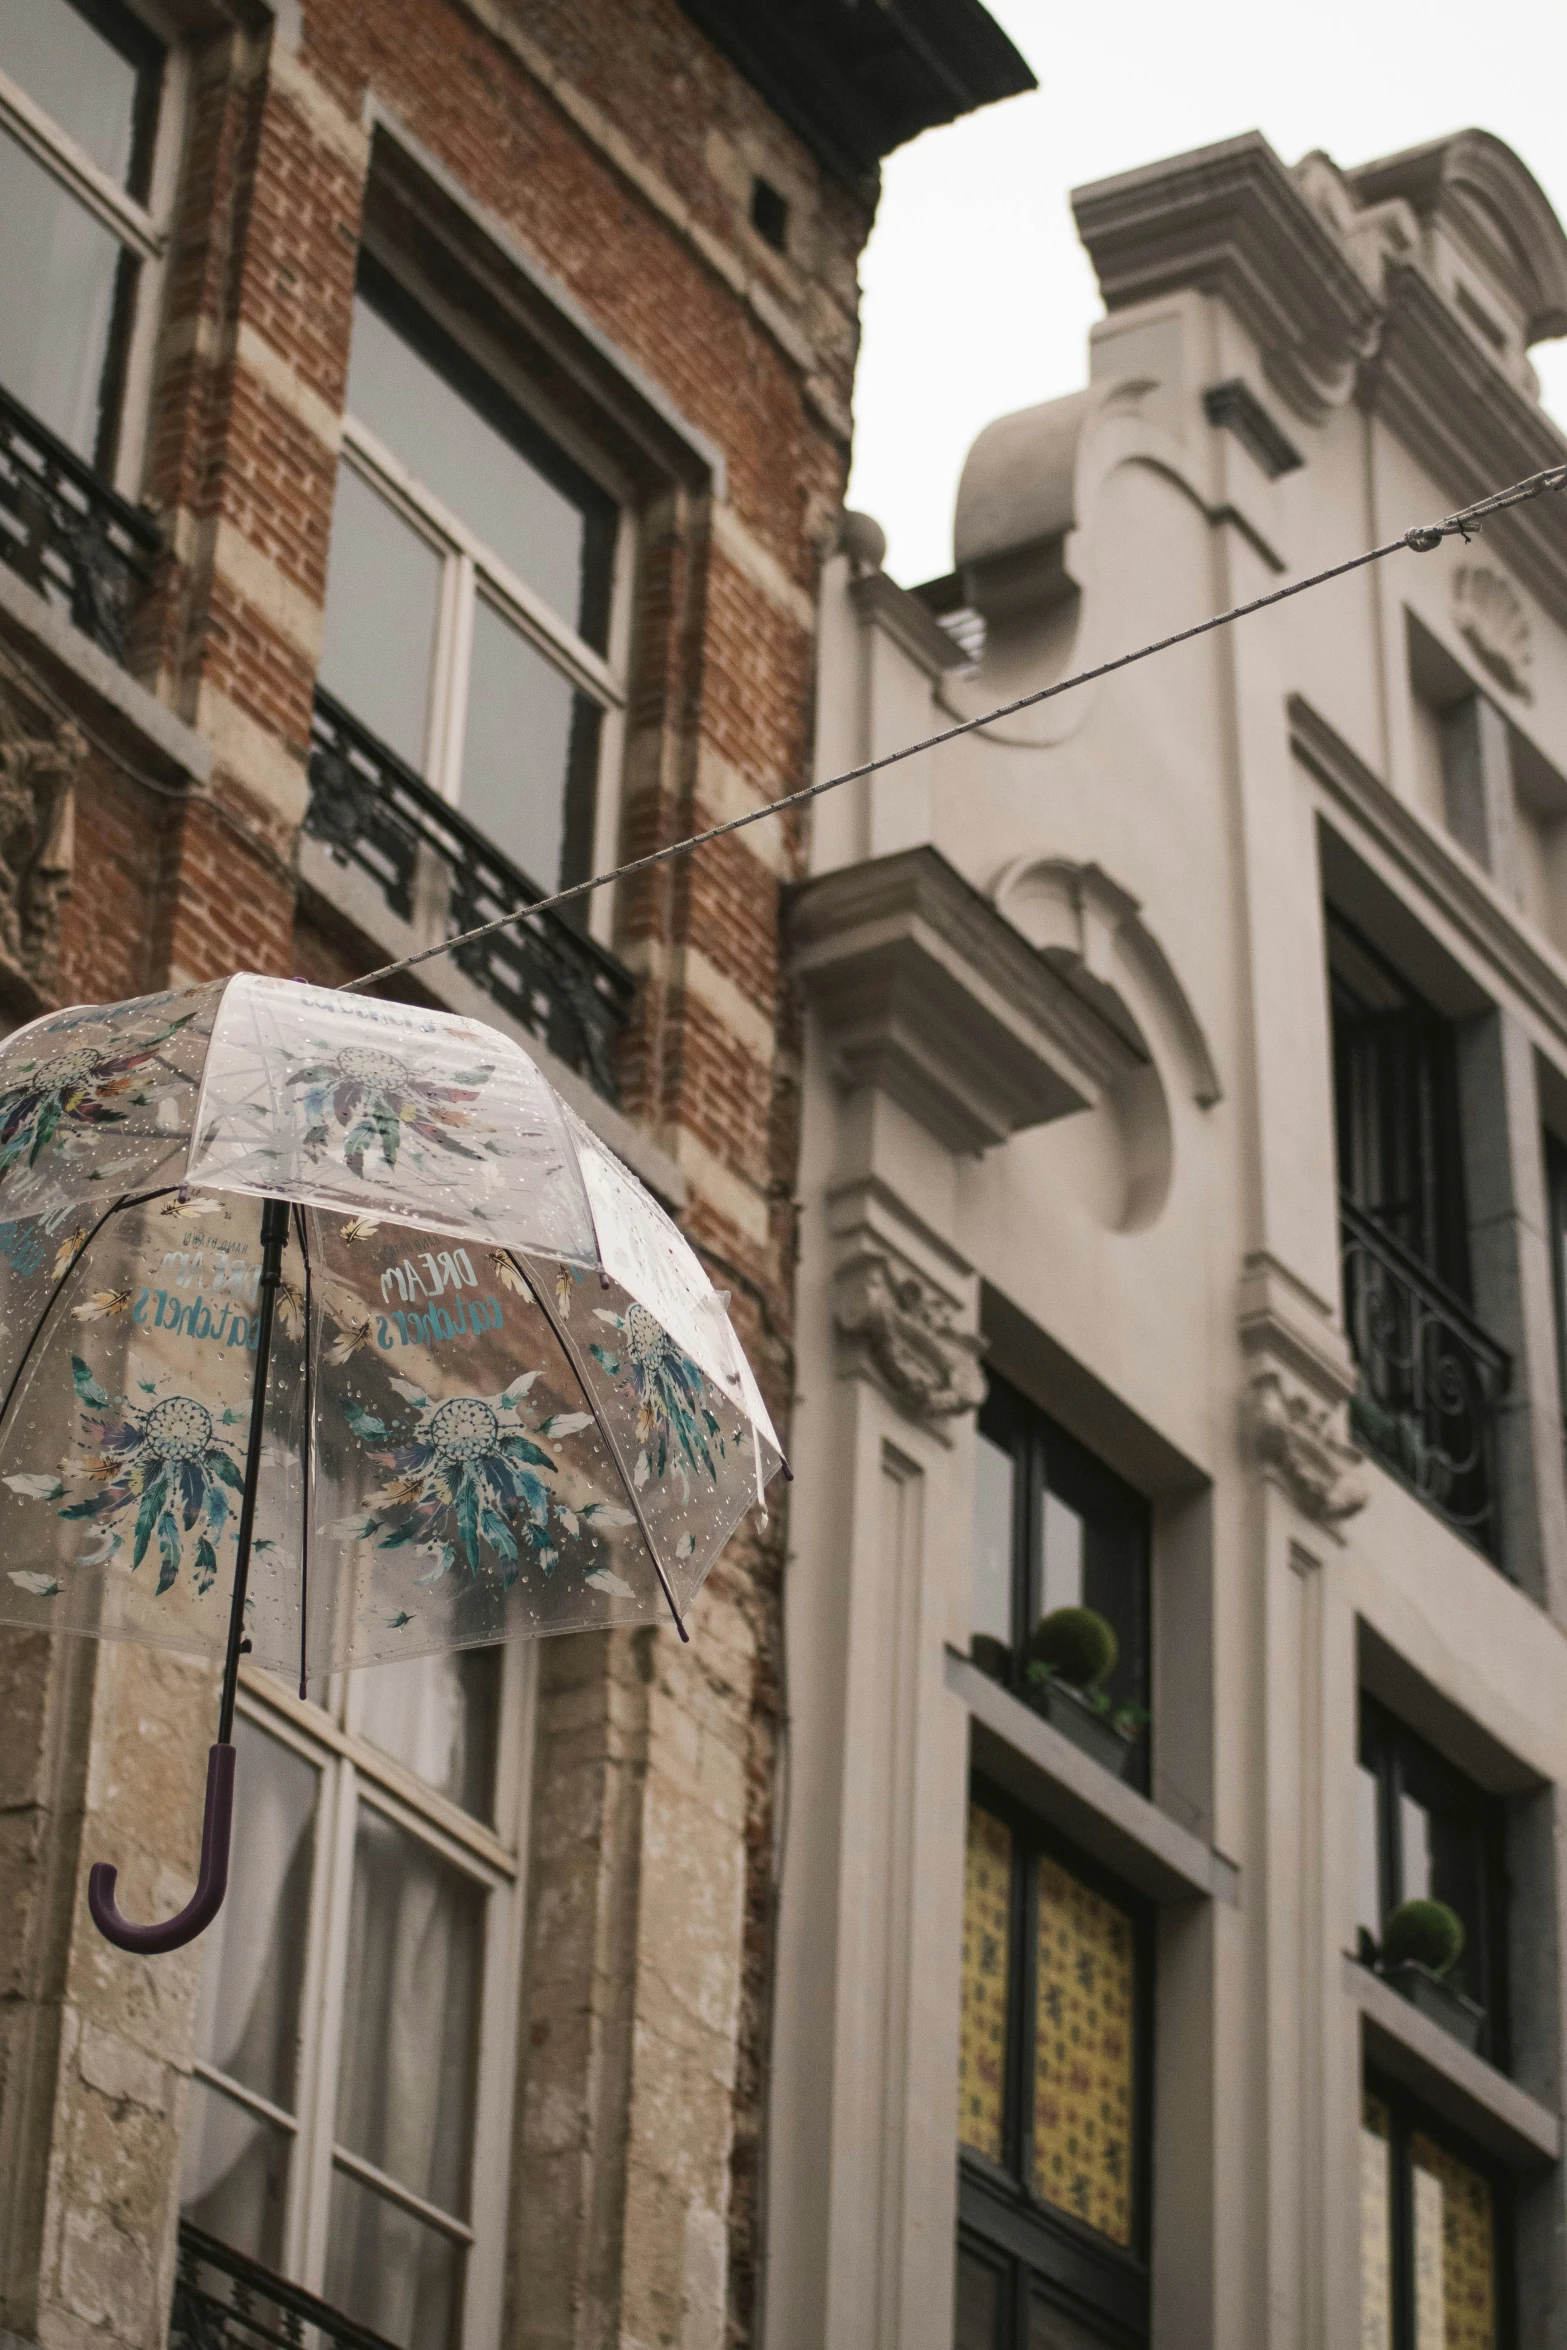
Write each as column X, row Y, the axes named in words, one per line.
column 223, row 2301
column 1430, row 1381
column 67, row 533
column 438, row 873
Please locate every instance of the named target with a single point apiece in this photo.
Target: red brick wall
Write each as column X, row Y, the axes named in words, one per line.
column 628, row 184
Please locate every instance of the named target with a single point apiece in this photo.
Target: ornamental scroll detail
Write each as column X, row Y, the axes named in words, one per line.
column 898, row 1326
column 1300, row 1439
column 1492, row 621
column 37, row 839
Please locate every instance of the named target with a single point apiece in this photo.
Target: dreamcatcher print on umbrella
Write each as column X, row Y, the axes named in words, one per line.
column 329, row 1334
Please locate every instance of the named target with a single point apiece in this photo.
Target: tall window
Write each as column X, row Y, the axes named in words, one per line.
column 1052, row 2098
column 1055, row 1528
column 1431, row 1375
column 343, row 2130
column 1396, row 1088
column 1433, row 2275
column 1427, row 1833
column 469, row 591
column 79, row 96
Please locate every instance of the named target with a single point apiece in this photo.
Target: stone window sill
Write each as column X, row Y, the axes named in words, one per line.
column 1062, row 1786
column 1490, row 2109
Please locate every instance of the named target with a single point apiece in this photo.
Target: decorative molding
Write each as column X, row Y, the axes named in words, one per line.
column 1461, row 416
column 1300, row 1438
column 927, row 993
column 38, row 776
column 1489, row 615
column 1285, row 1325
column 1451, row 881
column 1091, row 929
column 1230, row 220
column 1474, row 184
column 900, row 1328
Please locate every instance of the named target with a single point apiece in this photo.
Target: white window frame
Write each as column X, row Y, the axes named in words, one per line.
column 471, row 569
column 147, row 229
column 351, row 1771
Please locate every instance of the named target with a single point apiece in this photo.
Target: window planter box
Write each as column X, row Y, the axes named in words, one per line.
column 1068, row 1711
column 1456, row 2013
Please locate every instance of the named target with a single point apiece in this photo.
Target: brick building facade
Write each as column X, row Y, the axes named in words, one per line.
column 387, row 395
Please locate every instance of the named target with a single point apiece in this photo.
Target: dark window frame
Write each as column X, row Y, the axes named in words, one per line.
column 1408, row 1041
column 124, row 31
column 1098, row 2284
column 1555, row 1151
column 1398, row 1755
column 1407, row 2116
column 1047, row 1457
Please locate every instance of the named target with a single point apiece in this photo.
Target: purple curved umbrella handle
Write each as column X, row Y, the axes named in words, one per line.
column 211, row 1884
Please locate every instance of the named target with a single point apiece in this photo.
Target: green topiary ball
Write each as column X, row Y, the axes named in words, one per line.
column 1077, row 1644
column 1426, row 1931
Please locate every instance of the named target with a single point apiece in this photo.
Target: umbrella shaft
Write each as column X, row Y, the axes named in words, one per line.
column 274, row 1237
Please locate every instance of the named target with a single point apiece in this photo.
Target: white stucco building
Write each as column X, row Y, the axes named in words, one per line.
column 1185, row 1074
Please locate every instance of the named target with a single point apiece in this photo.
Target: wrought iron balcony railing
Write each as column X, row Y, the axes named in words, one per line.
column 224, row 2301
column 373, row 812
column 67, row 532
column 1430, row 1380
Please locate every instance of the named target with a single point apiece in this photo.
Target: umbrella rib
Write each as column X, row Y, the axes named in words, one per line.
column 569, row 1350
column 307, row 1456
column 139, row 1200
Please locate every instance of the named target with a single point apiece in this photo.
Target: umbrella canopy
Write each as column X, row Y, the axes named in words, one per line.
column 329, row 1334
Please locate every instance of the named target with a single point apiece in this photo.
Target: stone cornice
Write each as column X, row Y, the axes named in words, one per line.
column 929, row 994
column 1231, row 221
column 881, row 603
column 1470, row 901
column 1479, row 189
column 853, row 83
column 1468, row 425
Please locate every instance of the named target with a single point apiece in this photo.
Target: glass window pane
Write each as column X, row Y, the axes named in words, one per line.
column 987, row 1935
column 981, row 2301
column 1414, row 1836
column 1083, row 2054
column 527, row 731
column 247, row 2023
column 58, row 276
column 458, row 454
column 993, row 1527
column 1376, row 2228
column 415, row 1950
column 1368, row 1856
column 439, row 1715
column 1062, row 1551
column 1455, row 2252
column 77, row 76
column 235, row 2176
column 383, row 597
column 390, row 2271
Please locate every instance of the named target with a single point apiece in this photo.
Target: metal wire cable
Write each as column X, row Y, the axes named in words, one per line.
column 1420, row 540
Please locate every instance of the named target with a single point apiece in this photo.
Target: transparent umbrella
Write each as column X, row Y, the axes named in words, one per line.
column 329, row 1334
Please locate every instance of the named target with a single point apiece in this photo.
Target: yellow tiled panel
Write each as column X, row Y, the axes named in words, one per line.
column 1455, row 2252
column 1083, row 2055
column 1376, row 2227
column 987, row 1927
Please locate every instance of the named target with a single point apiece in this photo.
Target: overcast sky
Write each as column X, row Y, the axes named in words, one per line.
column 978, row 297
